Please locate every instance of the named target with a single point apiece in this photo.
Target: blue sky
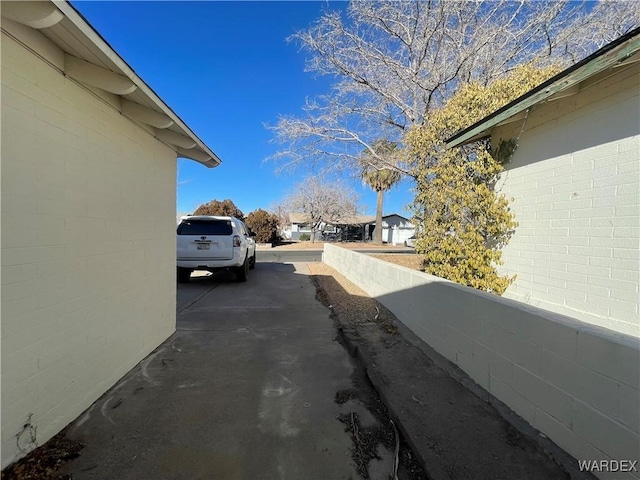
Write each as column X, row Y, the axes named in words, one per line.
column 226, row 69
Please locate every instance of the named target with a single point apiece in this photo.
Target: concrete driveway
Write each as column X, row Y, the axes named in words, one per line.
column 244, row 390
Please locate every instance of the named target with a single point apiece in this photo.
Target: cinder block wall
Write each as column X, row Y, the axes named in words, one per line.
column 576, row 383
column 88, row 246
column 575, row 180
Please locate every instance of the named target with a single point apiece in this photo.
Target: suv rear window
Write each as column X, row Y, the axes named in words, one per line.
column 205, row 227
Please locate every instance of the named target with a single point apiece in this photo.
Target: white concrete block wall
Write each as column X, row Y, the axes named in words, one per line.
column 577, row 383
column 575, row 181
column 88, row 246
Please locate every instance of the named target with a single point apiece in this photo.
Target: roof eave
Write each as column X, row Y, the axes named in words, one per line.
column 608, row 56
column 201, row 153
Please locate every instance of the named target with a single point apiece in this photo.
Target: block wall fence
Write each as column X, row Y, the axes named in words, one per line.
column 575, row 382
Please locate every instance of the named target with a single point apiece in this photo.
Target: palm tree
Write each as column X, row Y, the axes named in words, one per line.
column 380, row 176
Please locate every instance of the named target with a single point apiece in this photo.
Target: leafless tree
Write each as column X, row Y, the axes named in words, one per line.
column 281, row 211
column 395, row 61
column 323, row 202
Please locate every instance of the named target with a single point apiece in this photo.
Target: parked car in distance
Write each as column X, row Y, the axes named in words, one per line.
column 214, row 243
column 410, row 242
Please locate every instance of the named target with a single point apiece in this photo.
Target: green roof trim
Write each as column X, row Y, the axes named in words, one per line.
column 607, row 57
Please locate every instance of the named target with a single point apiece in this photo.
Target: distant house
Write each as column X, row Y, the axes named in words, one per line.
column 299, row 224
column 574, row 179
column 395, row 228
column 88, row 234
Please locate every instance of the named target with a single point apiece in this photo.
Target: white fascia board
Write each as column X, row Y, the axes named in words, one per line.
column 94, row 37
column 564, row 83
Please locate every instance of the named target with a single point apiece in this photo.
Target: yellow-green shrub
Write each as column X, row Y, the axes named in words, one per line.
column 463, row 222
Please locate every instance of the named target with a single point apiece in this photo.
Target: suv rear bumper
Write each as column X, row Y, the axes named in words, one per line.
column 209, row 264
column 212, row 263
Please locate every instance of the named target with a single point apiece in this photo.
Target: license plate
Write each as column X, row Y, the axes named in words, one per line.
column 203, row 246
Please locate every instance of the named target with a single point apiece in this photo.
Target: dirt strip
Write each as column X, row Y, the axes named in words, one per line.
column 454, row 433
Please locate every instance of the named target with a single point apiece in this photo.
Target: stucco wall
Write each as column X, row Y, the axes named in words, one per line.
column 574, row 179
column 88, row 246
column 396, row 229
column 396, row 235
column 577, row 383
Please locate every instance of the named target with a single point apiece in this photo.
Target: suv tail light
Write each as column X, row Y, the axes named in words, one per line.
column 236, row 241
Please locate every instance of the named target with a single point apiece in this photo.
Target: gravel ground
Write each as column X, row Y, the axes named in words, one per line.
column 452, row 432
column 354, row 310
column 352, row 305
column 409, row 260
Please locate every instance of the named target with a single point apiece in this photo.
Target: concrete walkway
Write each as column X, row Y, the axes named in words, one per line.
column 244, row 390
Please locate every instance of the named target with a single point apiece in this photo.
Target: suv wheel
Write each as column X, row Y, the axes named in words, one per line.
column 183, row 275
column 242, row 273
column 252, row 262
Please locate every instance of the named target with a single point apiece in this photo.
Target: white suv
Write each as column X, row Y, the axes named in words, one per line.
column 214, row 243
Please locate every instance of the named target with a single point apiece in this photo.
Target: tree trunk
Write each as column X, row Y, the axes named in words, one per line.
column 377, row 232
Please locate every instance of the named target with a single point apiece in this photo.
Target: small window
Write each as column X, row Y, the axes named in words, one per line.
column 205, row 227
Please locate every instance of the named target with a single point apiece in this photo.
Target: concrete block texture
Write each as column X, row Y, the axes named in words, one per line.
column 566, row 377
column 579, row 147
column 88, row 247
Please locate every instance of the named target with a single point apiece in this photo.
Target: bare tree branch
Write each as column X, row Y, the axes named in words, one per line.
column 322, row 202
column 394, row 62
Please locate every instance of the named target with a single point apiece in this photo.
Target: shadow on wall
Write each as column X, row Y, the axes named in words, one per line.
column 453, row 426
column 577, row 383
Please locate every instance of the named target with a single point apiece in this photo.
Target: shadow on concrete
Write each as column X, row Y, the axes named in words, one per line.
column 454, row 426
column 244, row 389
column 202, row 282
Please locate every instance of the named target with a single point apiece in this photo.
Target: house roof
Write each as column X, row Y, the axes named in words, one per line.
column 621, row 51
column 87, row 58
column 356, row 220
column 396, row 215
column 297, row 217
